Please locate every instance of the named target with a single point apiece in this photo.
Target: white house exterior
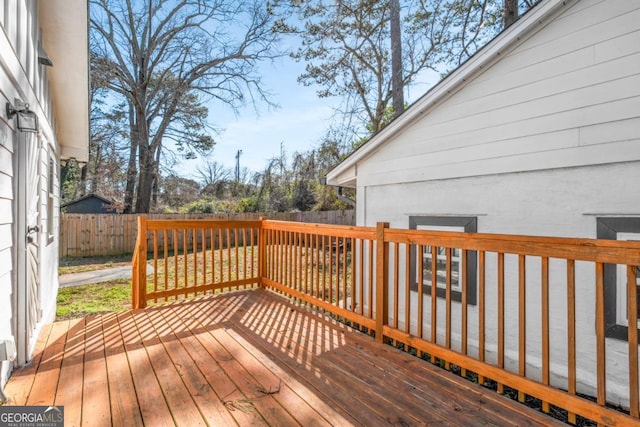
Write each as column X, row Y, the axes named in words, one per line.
column 537, row 134
column 43, row 63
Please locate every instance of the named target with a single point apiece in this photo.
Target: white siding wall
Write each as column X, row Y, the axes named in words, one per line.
column 560, row 202
column 48, row 248
column 6, row 233
column 567, row 96
column 540, row 143
column 22, row 77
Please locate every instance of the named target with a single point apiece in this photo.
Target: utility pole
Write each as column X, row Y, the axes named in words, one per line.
column 238, row 153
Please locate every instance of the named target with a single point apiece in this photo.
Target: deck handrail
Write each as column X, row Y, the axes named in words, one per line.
column 370, row 277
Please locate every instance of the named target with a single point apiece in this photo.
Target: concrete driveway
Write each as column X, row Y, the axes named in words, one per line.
column 97, row 276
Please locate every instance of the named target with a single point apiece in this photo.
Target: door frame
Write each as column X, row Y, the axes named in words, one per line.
column 24, row 335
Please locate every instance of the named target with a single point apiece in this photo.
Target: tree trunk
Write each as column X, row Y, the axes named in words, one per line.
column 146, row 162
column 132, row 171
column 145, row 180
column 509, row 12
column 396, row 59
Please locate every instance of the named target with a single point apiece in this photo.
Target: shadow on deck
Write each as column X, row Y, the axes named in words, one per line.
column 244, row 358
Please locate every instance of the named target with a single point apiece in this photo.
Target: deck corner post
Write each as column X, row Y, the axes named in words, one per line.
column 382, row 280
column 262, row 251
column 142, row 262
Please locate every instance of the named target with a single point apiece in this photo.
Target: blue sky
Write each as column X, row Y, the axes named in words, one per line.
column 298, row 123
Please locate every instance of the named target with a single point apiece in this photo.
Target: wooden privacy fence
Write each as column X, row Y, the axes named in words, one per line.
column 84, row 235
column 526, row 314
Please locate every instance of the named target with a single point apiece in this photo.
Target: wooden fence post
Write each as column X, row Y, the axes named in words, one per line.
column 382, row 280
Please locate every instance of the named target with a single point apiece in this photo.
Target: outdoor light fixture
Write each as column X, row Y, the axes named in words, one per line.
column 27, row 120
column 43, row 58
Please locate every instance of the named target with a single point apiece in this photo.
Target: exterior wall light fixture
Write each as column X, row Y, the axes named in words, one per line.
column 27, row 120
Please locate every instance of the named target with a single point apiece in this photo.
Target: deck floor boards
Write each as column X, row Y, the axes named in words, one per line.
column 245, row 358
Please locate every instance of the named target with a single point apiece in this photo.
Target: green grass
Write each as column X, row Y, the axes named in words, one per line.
column 86, row 300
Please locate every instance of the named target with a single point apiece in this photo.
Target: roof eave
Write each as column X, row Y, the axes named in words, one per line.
column 65, row 33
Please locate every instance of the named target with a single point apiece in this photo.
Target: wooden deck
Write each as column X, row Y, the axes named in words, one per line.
column 244, row 358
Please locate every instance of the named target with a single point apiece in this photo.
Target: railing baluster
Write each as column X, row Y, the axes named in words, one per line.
column 353, row 274
column 236, row 248
column 307, row 263
column 632, row 310
column 464, row 305
column 166, row 260
column 361, row 277
column 203, row 231
column 434, row 295
column 601, row 372
column 299, row 263
column 324, row 268
column 280, row 273
column 176, row 245
column 420, row 280
column 571, row 333
column 407, row 288
column 344, row 272
column 315, row 273
column 185, row 256
column 245, row 268
column 481, row 311
column 155, row 263
column 500, row 316
column 372, row 250
column 330, row 239
column 252, row 251
column 228, row 254
column 288, row 266
column 396, row 284
column 221, row 253
column 522, row 320
column 545, row 326
column 448, row 284
column 194, row 238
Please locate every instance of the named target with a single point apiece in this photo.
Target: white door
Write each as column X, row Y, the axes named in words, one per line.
column 28, row 309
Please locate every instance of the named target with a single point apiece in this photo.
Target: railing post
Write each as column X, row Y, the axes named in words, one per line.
column 382, row 280
column 142, row 262
column 262, row 249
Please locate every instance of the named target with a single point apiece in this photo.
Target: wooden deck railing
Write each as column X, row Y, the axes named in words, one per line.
column 206, row 256
column 526, row 314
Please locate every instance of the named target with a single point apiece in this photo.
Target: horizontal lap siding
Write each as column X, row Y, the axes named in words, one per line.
column 6, row 229
column 567, row 96
column 559, row 202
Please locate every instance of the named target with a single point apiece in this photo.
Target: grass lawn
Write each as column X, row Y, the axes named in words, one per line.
column 86, row 300
column 177, row 272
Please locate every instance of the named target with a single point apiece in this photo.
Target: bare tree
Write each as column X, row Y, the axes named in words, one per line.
column 165, row 58
column 348, row 47
column 214, row 178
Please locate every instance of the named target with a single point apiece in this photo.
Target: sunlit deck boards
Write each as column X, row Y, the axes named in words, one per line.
column 244, row 358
